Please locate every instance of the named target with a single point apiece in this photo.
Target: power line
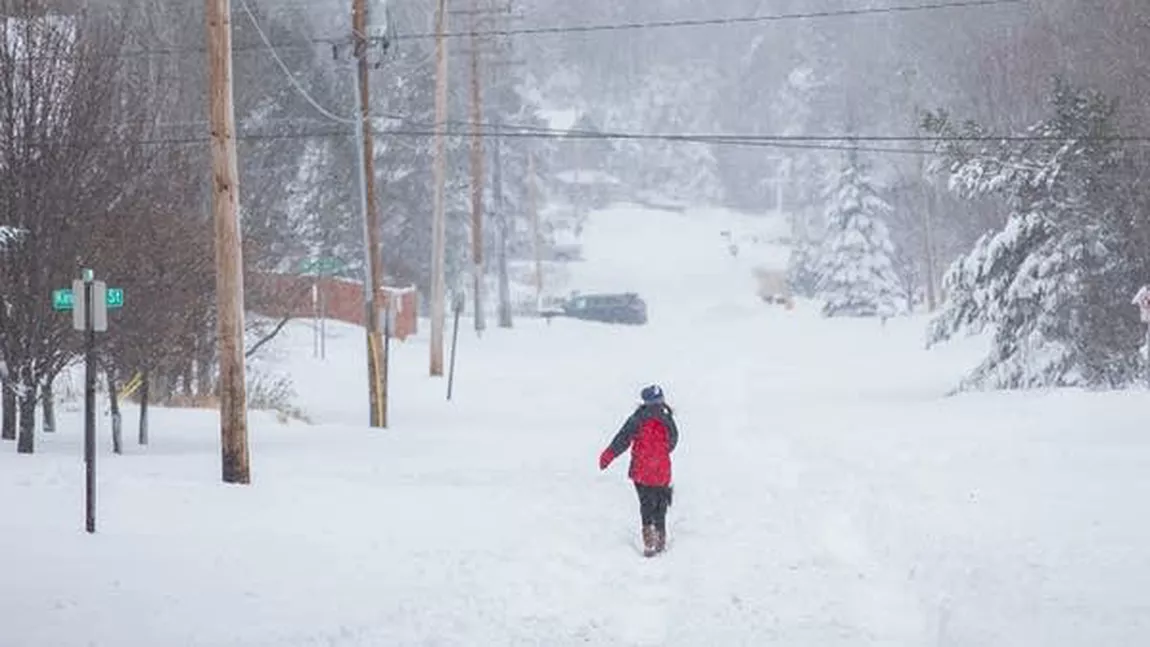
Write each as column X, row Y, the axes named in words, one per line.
column 538, row 132
column 823, row 143
column 813, row 144
column 415, row 128
column 295, row 45
column 314, row 43
column 716, row 22
column 287, row 71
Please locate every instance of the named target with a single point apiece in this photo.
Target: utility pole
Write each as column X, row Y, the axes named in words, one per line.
column 536, row 234
column 478, row 242
column 504, row 224
column 911, row 76
column 376, row 371
column 476, row 174
column 229, row 254
column 928, row 235
column 439, row 216
column 504, row 220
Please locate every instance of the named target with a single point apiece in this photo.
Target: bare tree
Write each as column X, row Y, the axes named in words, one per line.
column 78, row 176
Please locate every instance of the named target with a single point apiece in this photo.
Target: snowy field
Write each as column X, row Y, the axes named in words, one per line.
column 827, row 493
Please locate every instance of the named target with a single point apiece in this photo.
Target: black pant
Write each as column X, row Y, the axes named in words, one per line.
column 653, row 503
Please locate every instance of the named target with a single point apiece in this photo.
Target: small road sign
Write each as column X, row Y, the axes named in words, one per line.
column 63, row 300
column 323, row 265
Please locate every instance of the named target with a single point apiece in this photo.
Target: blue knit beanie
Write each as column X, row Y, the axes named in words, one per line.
column 651, row 394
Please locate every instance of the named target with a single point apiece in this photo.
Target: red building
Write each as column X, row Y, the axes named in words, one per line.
column 282, row 295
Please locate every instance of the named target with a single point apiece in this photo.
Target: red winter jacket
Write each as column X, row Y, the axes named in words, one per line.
column 651, row 435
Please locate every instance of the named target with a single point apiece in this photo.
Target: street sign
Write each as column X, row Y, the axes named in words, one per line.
column 99, row 307
column 322, row 265
column 63, row 300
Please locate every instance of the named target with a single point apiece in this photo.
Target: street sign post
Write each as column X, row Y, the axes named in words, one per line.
column 88, row 326
column 319, row 267
column 457, row 305
column 89, row 316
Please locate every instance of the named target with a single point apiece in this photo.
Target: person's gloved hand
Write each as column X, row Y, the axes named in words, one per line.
column 605, row 458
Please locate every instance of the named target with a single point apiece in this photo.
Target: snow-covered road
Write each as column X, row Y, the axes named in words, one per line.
column 826, row 494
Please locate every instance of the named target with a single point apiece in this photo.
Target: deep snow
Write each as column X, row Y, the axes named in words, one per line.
column 827, row 492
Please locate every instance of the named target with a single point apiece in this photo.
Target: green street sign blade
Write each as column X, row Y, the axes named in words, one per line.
column 321, row 265
column 62, row 299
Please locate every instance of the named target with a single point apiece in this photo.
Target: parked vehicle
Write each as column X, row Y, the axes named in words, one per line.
column 773, row 287
column 623, row 308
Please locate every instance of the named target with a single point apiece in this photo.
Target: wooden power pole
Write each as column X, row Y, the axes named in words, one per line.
column 376, row 368
column 476, row 174
column 503, row 222
column 928, row 237
column 536, row 234
column 229, row 256
column 439, row 216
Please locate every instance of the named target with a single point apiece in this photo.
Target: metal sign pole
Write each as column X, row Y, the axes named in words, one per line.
column 458, row 308
column 90, row 316
column 388, row 322
column 322, row 319
column 315, row 317
column 89, row 401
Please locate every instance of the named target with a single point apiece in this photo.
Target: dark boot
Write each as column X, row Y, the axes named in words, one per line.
column 660, row 540
column 650, row 541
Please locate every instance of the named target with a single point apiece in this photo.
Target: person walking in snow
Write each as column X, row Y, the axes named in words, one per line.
column 651, row 435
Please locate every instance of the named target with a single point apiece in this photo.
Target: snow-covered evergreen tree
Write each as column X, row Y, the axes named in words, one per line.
column 802, row 277
column 1052, row 286
column 855, row 272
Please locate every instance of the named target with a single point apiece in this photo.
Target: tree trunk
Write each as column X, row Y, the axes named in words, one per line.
column 191, row 383
column 49, row 408
column 161, row 388
column 26, row 443
column 204, row 385
column 8, row 430
column 144, row 408
column 114, row 398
